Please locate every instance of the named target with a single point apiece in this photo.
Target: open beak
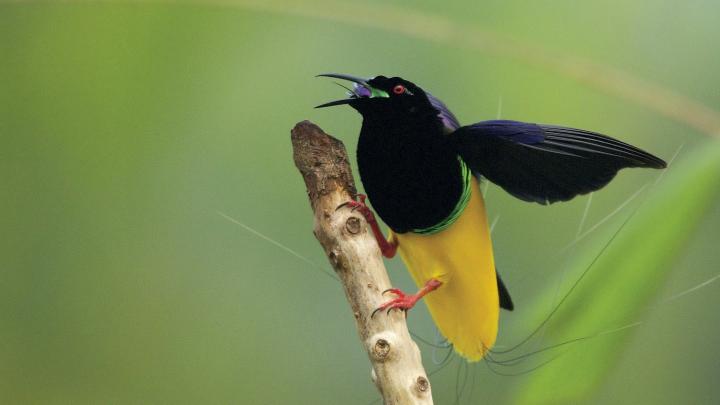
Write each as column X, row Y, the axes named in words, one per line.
column 360, row 89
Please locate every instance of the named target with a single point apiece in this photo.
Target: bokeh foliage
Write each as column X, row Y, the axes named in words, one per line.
column 125, row 127
column 617, row 284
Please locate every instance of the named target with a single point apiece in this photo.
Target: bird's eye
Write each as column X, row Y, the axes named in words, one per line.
column 399, row 89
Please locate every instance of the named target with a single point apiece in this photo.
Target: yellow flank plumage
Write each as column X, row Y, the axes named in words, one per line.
column 466, row 306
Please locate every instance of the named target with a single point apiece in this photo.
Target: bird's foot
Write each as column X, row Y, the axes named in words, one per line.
column 387, row 248
column 405, row 302
column 361, row 207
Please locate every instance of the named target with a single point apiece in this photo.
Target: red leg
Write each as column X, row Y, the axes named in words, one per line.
column 405, row 302
column 387, row 248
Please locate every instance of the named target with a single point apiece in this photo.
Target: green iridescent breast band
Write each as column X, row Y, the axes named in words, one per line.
column 459, row 207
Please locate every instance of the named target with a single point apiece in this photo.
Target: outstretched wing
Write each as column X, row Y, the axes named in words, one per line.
column 545, row 163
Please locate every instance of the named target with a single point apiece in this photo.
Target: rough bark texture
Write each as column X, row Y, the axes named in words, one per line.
column 396, row 365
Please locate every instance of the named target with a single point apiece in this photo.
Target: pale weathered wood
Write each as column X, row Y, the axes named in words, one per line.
column 396, row 365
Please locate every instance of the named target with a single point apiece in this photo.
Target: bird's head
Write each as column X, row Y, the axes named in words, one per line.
column 381, row 94
column 381, row 98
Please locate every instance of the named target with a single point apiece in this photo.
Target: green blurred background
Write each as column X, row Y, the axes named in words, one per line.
column 127, row 127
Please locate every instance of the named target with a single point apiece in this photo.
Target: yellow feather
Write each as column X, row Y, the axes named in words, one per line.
column 465, row 307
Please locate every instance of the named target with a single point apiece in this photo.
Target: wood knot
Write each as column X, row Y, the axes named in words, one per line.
column 422, row 385
column 380, row 345
column 333, row 258
column 353, row 225
column 381, row 349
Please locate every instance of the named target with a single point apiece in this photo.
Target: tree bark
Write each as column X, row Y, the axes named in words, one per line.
column 354, row 254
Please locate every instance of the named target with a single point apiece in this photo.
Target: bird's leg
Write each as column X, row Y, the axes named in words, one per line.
column 404, row 302
column 387, row 247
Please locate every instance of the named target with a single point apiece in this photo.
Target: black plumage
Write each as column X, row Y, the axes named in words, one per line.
column 411, row 175
column 545, row 163
column 505, row 300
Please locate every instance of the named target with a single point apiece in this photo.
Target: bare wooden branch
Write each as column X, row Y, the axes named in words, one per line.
column 396, row 364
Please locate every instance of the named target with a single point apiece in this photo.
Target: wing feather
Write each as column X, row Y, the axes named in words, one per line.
column 546, row 163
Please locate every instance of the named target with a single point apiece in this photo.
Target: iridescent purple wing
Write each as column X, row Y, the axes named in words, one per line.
column 448, row 118
column 545, row 163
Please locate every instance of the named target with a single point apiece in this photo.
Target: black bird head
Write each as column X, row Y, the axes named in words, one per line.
column 382, row 94
column 381, row 97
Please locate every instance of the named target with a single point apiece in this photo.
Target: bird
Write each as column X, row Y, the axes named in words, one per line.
column 420, row 170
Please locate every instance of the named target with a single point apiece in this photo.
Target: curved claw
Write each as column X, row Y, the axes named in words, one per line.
column 387, row 248
column 358, row 204
column 345, row 204
column 404, row 302
column 354, row 205
column 394, row 291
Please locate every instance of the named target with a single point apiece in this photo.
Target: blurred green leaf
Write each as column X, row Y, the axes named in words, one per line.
column 623, row 280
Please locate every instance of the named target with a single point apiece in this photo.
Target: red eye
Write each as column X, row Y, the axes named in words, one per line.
column 399, row 89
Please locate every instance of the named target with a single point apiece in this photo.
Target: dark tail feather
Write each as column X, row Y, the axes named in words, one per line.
column 505, row 300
